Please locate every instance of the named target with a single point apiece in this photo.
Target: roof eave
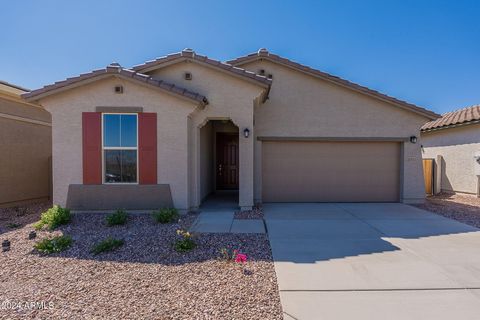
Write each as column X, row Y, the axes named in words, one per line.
column 8, row 84
column 191, row 56
column 264, row 55
column 455, row 125
column 70, row 83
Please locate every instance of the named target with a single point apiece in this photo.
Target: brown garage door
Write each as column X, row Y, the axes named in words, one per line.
column 297, row 171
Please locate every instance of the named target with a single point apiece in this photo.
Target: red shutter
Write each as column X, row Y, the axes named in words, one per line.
column 147, row 148
column 92, row 147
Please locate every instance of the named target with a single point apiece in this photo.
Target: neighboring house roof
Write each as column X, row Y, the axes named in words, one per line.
column 190, row 55
column 13, row 92
column 114, row 69
column 5, row 83
column 455, row 118
column 263, row 54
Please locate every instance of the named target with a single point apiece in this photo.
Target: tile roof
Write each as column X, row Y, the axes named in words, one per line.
column 116, row 70
column 189, row 54
column 265, row 54
column 454, row 118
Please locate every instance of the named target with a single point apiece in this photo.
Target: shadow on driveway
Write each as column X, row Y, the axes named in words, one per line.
column 308, row 233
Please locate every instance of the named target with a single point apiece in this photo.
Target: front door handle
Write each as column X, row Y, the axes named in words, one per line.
column 219, row 169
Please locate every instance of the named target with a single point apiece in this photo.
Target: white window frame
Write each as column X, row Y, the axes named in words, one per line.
column 117, row 148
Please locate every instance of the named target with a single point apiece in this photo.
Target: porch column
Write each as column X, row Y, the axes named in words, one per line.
column 246, row 159
column 194, row 165
column 413, row 186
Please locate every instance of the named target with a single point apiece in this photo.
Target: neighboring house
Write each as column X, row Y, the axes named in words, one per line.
column 453, row 141
column 25, row 148
column 187, row 125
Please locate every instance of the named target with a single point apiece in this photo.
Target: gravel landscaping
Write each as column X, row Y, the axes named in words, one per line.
column 143, row 278
column 255, row 213
column 21, row 215
column 461, row 207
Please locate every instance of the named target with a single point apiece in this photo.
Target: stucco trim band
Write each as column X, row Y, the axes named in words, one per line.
column 353, row 139
column 119, row 109
column 22, row 119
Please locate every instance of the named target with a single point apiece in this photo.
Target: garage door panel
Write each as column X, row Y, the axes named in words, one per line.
column 294, row 171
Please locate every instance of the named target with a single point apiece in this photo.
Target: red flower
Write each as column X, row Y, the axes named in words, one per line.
column 241, row 258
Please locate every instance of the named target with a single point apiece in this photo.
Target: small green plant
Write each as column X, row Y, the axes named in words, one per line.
column 53, row 217
column 165, row 215
column 107, row 245
column 119, row 217
column 230, row 255
column 185, row 243
column 13, row 225
column 53, row 245
column 226, row 254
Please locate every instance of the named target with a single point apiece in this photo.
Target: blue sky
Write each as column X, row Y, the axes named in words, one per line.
column 425, row 52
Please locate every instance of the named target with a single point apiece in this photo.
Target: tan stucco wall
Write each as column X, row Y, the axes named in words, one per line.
column 25, row 148
column 229, row 98
column 457, row 147
column 172, row 132
column 300, row 105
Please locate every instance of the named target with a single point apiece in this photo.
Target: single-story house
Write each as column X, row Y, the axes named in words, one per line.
column 453, row 142
column 25, row 148
column 184, row 126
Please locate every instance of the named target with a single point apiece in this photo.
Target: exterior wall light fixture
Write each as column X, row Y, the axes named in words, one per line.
column 246, row 132
column 413, row 139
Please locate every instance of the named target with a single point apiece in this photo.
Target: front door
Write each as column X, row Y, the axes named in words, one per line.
column 227, row 161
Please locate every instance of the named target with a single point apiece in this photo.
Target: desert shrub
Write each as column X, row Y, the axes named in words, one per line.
column 53, row 217
column 185, row 242
column 165, row 215
column 53, row 245
column 107, row 245
column 119, row 217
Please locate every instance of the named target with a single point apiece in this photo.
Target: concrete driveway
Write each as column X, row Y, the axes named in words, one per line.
column 373, row 261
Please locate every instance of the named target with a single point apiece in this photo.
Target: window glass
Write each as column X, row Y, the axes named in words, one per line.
column 113, row 166
column 128, row 136
column 111, row 130
column 120, row 166
column 129, row 165
column 120, row 148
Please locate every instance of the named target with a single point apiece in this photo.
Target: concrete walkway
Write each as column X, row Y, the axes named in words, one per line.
column 217, row 216
column 222, row 221
column 373, row 261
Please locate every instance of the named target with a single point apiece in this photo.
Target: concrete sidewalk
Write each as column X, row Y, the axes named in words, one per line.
column 373, row 261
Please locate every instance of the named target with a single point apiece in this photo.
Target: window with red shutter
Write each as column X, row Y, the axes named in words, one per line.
column 127, row 146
